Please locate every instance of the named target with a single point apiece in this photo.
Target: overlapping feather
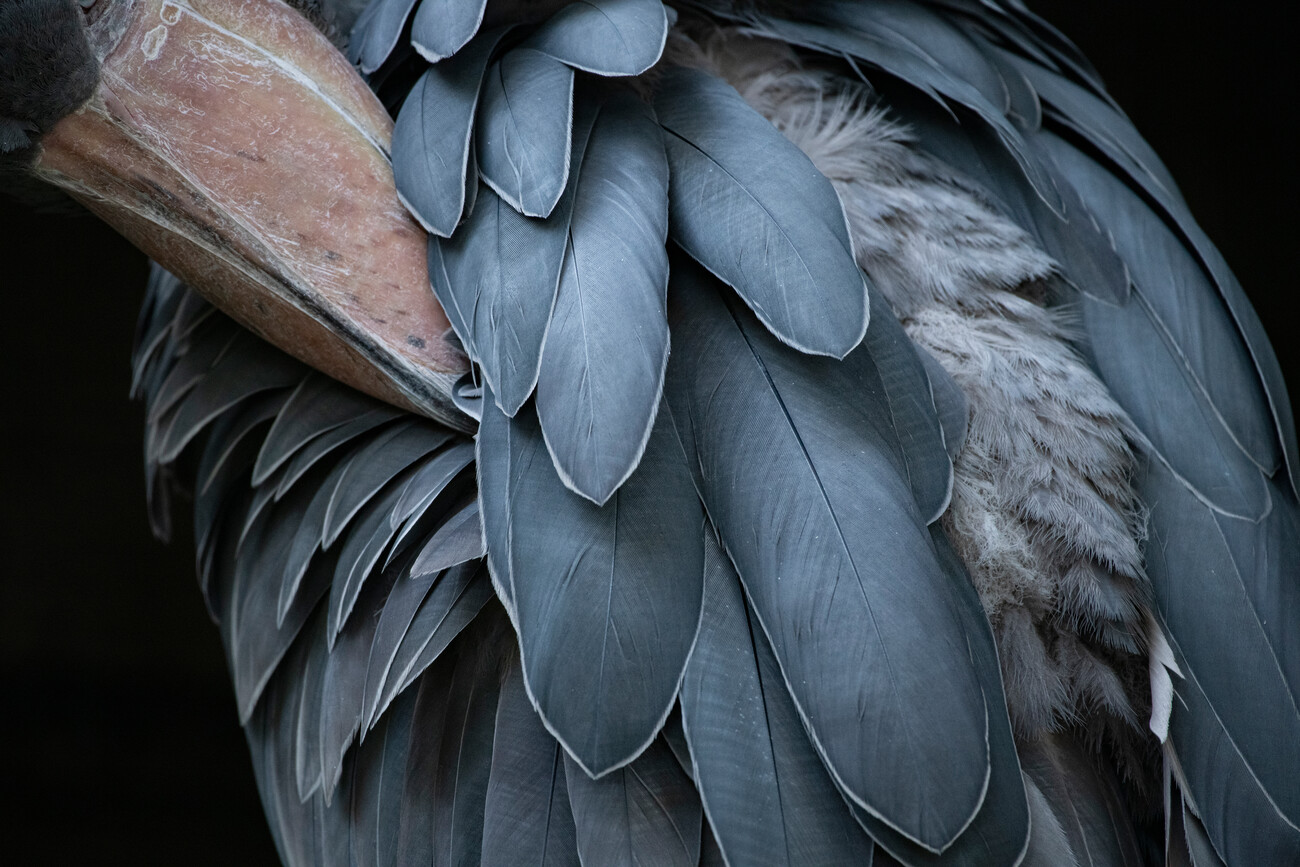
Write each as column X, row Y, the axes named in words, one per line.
column 553, row 276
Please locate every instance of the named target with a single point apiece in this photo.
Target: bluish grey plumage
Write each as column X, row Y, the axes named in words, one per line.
column 913, row 412
column 646, row 812
column 453, row 603
column 399, row 609
column 1217, row 579
column 609, row 608
column 441, row 478
column 376, row 32
column 385, row 700
column 523, row 132
column 527, row 817
column 850, row 593
column 370, row 532
column 1085, row 800
column 606, row 347
column 767, row 795
column 312, row 409
column 343, row 695
column 751, row 208
column 442, row 27
column 497, row 279
column 458, row 540
column 432, row 138
column 605, row 37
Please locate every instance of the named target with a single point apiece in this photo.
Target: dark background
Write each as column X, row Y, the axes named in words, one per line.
column 120, row 739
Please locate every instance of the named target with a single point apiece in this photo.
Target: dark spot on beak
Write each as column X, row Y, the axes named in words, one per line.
column 332, row 256
column 417, row 342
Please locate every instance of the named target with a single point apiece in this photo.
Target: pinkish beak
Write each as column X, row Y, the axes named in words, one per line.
column 230, row 141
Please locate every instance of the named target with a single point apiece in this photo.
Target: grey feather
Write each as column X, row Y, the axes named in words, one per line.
column 1048, row 844
column 450, row 607
column 866, row 652
column 399, row 609
column 1186, row 311
column 307, row 714
column 310, row 454
column 1186, row 843
column 308, row 530
column 439, row 474
column 431, row 139
column 253, row 367
column 750, row 207
column 366, row 538
column 343, row 695
column 376, row 32
column 949, row 402
column 315, row 407
column 867, row 33
column 373, row 467
column 1001, row 832
column 442, row 27
column 458, row 540
column 1221, row 585
column 527, row 817
column 1106, row 128
column 229, row 433
column 468, row 707
column 524, row 130
column 607, row 37
column 912, row 409
column 673, row 733
column 603, row 360
column 767, row 795
column 607, row 599
column 1084, row 799
column 498, row 278
column 256, row 631
column 644, row 813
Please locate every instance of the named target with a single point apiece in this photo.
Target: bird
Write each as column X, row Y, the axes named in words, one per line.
column 733, row 61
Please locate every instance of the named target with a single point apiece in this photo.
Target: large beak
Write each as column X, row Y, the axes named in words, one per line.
column 230, row 141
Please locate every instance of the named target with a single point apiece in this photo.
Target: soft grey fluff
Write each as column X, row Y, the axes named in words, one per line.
column 1043, row 512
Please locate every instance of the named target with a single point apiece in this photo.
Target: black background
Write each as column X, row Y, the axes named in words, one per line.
column 118, row 731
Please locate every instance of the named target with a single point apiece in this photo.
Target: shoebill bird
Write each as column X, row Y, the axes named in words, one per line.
column 717, row 432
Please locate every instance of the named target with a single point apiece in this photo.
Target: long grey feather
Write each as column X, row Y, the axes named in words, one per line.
column 316, row 406
column 749, row 206
column 345, row 680
column 497, row 279
column 458, row 540
column 1222, row 585
column 376, row 32
column 607, row 37
column 453, row 603
column 524, row 130
column 1000, row 832
column 607, row 599
column 603, row 361
column 527, row 818
column 839, row 566
column 443, row 27
column 644, row 813
column 768, row 797
column 1177, row 295
column 431, row 139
